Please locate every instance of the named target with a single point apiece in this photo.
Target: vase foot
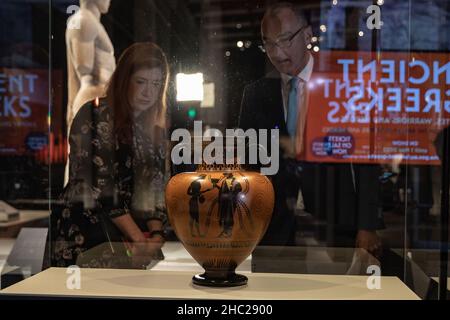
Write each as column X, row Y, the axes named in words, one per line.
column 230, row 280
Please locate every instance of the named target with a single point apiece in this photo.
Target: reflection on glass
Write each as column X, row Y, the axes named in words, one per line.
column 115, row 193
column 360, row 100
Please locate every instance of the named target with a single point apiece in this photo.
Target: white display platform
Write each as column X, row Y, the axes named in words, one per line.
column 147, row 284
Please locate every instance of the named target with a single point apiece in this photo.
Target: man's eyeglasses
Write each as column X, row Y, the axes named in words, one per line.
column 280, row 43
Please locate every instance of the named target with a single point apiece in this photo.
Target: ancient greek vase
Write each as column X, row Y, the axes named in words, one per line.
column 219, row 213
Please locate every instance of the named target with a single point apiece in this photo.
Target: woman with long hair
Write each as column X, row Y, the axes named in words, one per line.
column 112, row 212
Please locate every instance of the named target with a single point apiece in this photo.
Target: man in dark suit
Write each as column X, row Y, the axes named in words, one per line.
column 344, row 196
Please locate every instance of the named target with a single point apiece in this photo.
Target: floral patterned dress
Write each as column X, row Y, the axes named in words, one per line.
column 107, row 179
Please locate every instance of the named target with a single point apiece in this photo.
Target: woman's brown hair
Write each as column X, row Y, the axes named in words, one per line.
column 144, row 55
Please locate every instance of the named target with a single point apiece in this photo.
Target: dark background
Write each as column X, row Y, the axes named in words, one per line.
column 197, row 36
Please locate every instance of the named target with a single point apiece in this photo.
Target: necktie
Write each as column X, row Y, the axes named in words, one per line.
column 291, row 120
column 300, row 140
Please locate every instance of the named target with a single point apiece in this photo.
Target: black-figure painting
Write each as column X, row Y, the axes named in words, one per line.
column 230, row 201
column 196, row 193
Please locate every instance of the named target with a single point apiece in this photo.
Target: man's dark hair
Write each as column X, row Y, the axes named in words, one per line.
column 274, row 8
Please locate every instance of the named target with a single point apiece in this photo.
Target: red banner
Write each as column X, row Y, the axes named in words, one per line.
column 369, row 108
column 24, row 112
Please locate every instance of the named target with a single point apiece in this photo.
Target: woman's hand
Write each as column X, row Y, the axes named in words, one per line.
column 155, row 228
column 157, row 238
column 142, row 253
column 154, row 224
column 129, row 228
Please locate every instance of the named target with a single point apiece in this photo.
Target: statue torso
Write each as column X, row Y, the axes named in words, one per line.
column 104, row 60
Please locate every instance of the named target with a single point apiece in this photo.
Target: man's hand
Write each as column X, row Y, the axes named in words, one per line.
column 370, row 241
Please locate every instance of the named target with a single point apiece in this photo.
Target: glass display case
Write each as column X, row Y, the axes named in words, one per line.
column 317, row 131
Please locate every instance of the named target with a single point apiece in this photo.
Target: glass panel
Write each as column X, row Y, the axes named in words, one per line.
column 342, row 106
column 356, row 184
